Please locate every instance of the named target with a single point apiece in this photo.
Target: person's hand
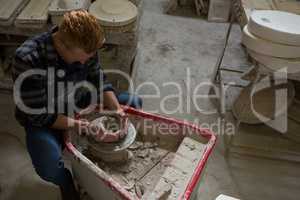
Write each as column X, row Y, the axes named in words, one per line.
column 124, row 122
column 82, row 126
column 96, row 130
column 121, row 113
column 107, row 137
column 100, row 134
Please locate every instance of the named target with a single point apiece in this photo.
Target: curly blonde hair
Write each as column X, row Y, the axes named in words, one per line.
column 80, row 29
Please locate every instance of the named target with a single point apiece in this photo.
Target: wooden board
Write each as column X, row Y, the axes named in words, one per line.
column 128, row 38
column 35, row 12
column 219, row 10
column 9, row 10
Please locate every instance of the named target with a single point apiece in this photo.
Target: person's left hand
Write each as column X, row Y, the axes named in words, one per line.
column 107, row 137
column 124, row 122
column 121, row 113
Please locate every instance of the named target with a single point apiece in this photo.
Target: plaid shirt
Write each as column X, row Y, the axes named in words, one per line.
column 39, row 53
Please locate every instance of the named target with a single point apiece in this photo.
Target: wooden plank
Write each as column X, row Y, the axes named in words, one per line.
column 127, row 38
column 35, row 14
column 219, row 10
column 9, row 11
column 8, row 8
column 12, row 30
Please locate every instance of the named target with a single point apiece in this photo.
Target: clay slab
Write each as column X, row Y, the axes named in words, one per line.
column 266, row 47
column 277, row 26
column 275, row 64
column 114, row 13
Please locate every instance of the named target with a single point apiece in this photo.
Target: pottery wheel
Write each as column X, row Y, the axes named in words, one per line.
column 114, row 13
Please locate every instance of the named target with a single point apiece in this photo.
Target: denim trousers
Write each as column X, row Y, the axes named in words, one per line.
column 45, row 147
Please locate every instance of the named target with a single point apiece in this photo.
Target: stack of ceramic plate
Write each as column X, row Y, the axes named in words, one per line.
column 116, row 15
column 34, row 15
column 9, row 10
column 273, row 39
column 59, row 7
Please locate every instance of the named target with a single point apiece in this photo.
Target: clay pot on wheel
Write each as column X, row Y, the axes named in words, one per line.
column 109, row 125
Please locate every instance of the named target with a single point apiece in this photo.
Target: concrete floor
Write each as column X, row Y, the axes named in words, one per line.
column 18, row 179
column 184, row 51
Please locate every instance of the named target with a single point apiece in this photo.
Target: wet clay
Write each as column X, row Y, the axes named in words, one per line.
column 142, row 170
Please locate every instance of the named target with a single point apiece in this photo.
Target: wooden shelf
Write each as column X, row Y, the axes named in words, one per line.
column 128, row 38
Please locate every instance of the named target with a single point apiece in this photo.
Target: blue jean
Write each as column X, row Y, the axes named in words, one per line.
column 45, row 147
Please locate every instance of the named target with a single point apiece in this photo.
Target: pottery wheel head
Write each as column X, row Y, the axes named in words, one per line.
column 96, row 118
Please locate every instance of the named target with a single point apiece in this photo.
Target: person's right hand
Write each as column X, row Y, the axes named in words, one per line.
column 99, row 134
column 82, row 127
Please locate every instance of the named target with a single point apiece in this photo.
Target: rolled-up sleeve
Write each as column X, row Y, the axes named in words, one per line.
column 32, row 93
column 97, row 77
